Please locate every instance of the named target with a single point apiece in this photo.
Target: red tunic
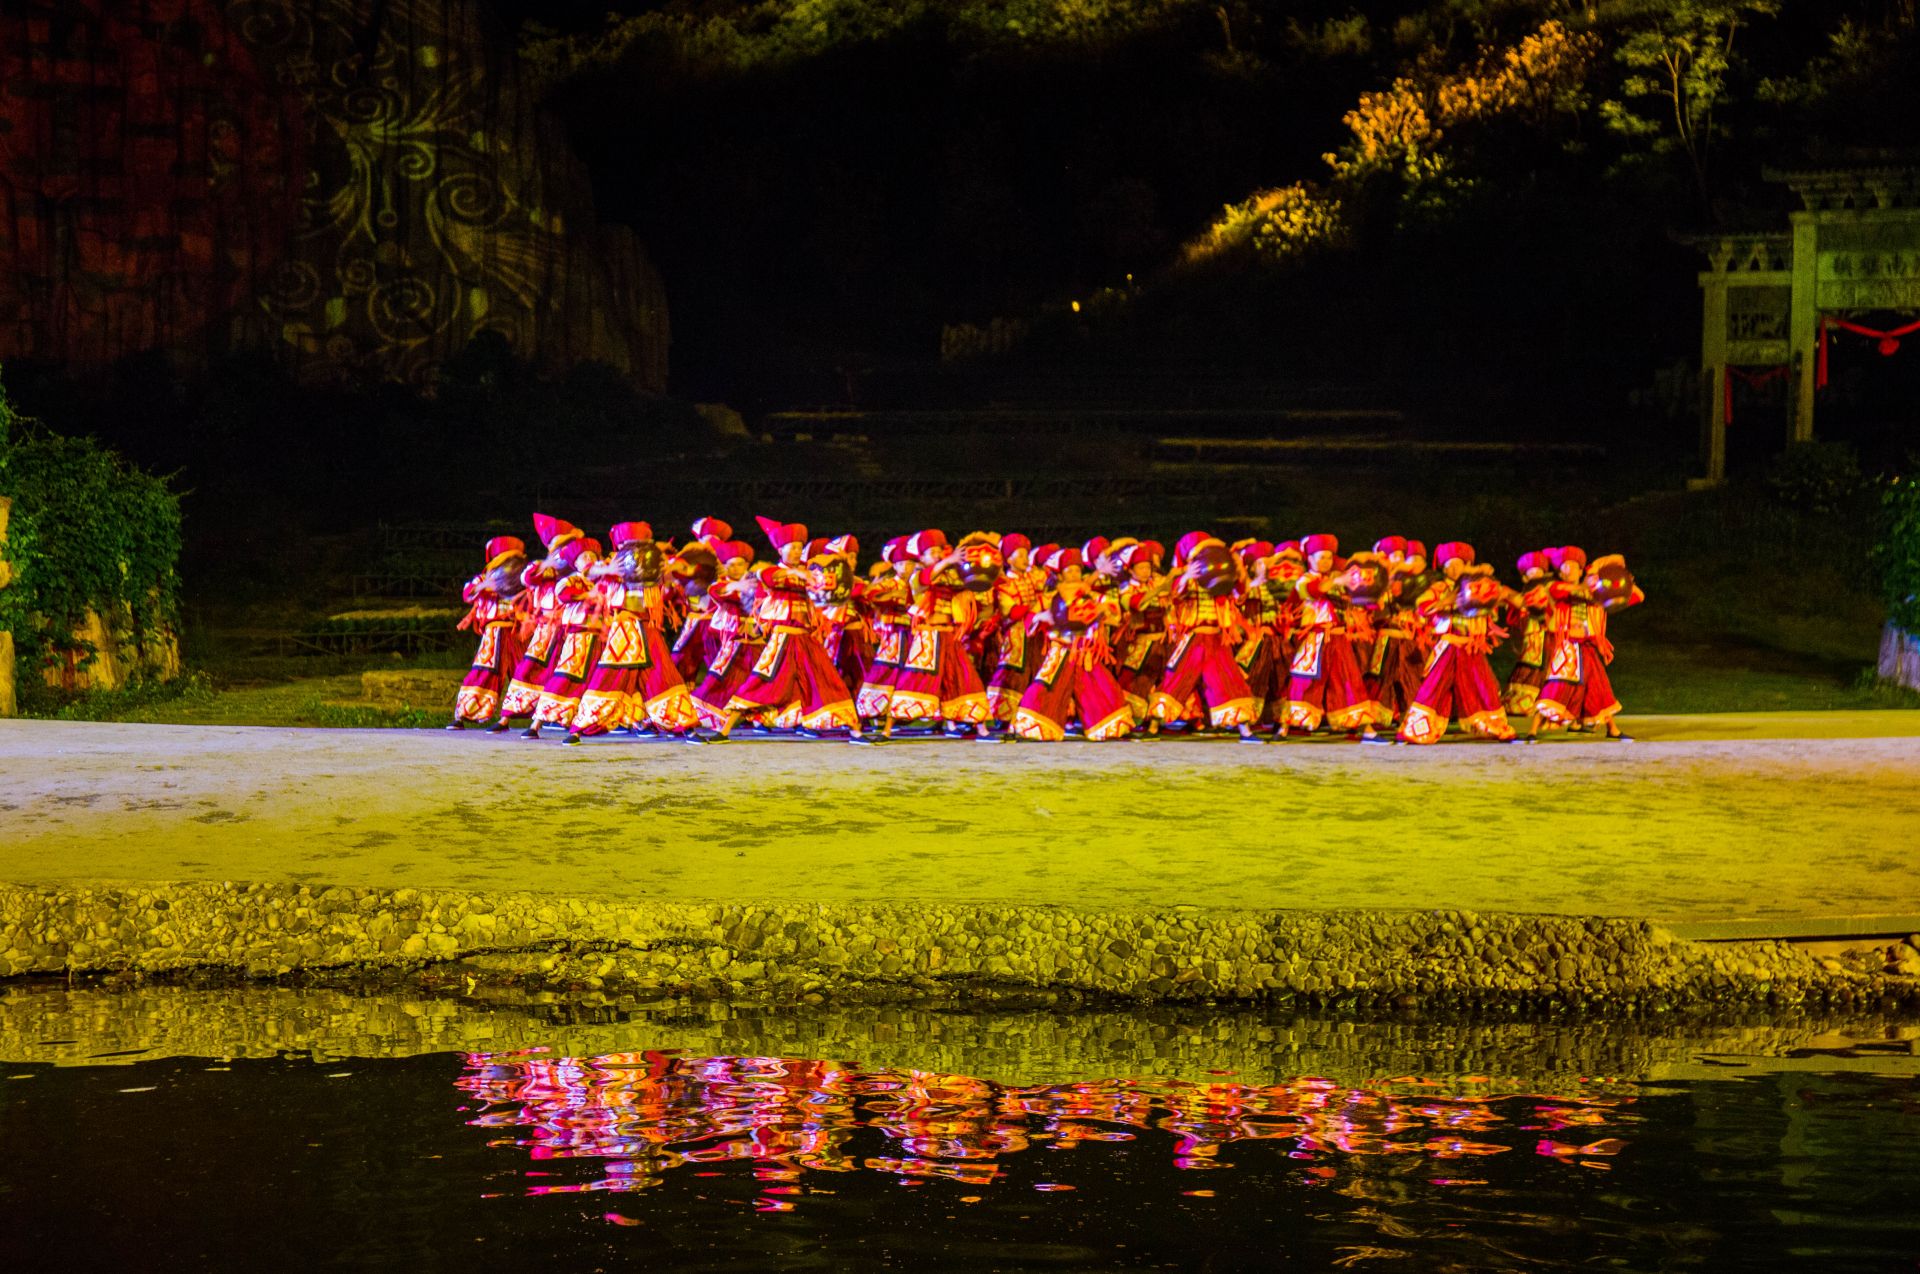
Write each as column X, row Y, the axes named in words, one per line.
column 1201, row 674
column 792, row 681
column 496, row 618
column 1323, row 678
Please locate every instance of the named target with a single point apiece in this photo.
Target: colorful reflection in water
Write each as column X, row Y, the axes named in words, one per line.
column 647, row 1114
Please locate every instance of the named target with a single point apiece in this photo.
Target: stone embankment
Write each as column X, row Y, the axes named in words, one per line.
column 779, row 953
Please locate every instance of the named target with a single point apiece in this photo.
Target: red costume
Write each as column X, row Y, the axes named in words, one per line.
column 839, row 602
column 541, row 609
column 494, row 599
column 731, row 622
column 1529, row 615
column 583, row 621
column 1324, row 681
column 634, row 682
column 936, row 681
column 1259, row 652
column 792, row 681
column 1142, row 650
column 1203, row 626
column 1016, row 599
column 696, row 644
column 1071, row 680
column 889, row 600
column 1577, row 690
column 1458, row 681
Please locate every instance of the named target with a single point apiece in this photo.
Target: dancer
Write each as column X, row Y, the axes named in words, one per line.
column 541, row 610
column 792, row 681
column 1259, row 651
column 935, row 681
column 889, row 599
column 1017, row 597
column 494, row 599
column 583, row 620
column 1071, row 681
column 1458, row 682
column 691, row 570
column 1529, row 614
column 634, row 683
column 730, row 620
column 838, row 601
column 1144, row 599
column 1202, row 623
column 1323, row 679
column 1578, row 691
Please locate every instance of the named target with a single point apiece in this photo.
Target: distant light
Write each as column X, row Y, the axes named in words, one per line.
column 1076, row 307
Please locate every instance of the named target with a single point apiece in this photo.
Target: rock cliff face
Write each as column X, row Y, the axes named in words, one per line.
column 358, row 185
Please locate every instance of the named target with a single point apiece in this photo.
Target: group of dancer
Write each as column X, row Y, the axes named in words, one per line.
column 996, row 639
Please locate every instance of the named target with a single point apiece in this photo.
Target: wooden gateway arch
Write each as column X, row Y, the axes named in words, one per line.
column 1772, row 300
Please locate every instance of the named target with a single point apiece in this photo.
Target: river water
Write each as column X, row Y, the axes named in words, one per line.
column 167, row 1128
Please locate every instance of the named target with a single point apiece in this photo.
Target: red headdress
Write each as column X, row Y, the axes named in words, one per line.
column 1566, row 553
column 1388, row 544
column 1042, row 554
column 733, row 551
column 1528, row 562
column 1092, row 549
column 1063, row 558
column 1311, row 544
column 1251, row 551
column 1416, row 548
column 1184, row 546
column 1144, row 551
column 1013, row 542
column 553, row 532
column 781, row 534
column 711, row 529
column 573, row 550
column 1288, row 548
column 502, row 547
column 844, row 544
column 1453, row 550
column 628, row 532
column 894, row 551
column 920, row 542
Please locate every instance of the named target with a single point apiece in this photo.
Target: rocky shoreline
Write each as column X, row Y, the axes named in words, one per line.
column 780, row 953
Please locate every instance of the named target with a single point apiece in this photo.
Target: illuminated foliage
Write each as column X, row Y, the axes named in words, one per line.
column 774, row 32
column 1898, row 552
column 1678, row 57
column 1412, row 135
column 89, row 532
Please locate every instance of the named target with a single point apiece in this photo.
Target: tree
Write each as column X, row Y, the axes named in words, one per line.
column 1678, row 63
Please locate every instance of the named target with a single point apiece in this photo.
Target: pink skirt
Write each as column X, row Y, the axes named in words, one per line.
column 1577, row 687
column 485, row 684
column 1393, row 675
column 635, row 683
column 1458, row 683
column 1201, row 670
column 1324, row 684
column 726, row 673
column 794, row 682
column 531, row 672
column 1259, row 660
column 1069, row 686
column 936, row 681
column 882, row 668
column 1012, row 650
column 560, row 697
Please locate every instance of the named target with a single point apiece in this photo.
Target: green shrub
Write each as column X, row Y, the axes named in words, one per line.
column 89, row 532
column 1816, row 477
column 1897, row 555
